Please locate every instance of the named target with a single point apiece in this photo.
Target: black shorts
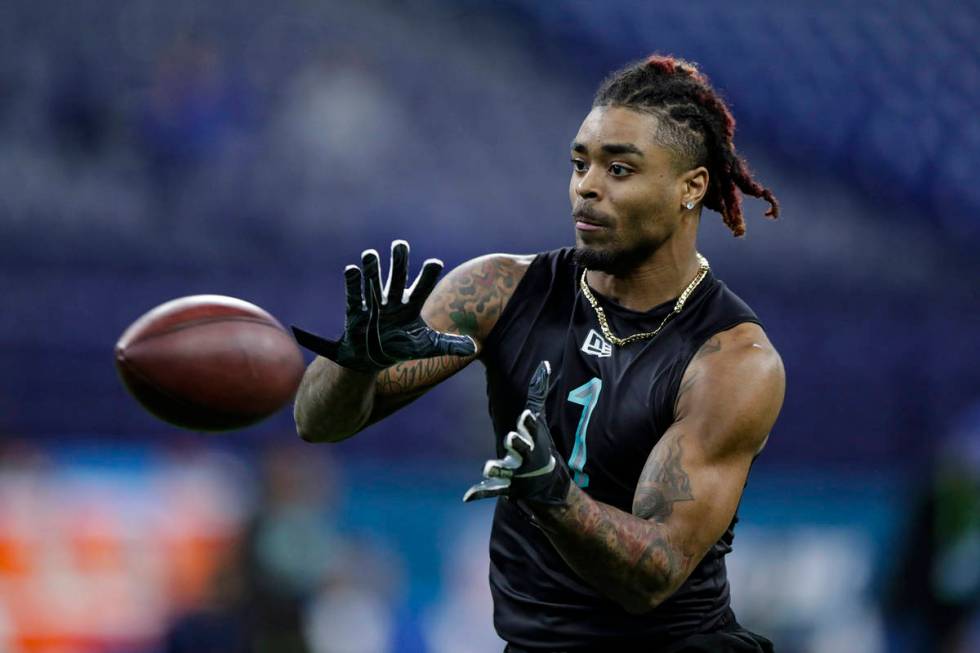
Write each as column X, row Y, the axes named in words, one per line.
column 730, row 639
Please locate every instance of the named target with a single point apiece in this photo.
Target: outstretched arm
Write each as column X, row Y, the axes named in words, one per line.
column 335, row 402
column 690, row 487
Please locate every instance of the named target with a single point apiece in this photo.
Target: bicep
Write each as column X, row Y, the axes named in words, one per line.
column 693, row 494
column 693, row 479
column 470, row 299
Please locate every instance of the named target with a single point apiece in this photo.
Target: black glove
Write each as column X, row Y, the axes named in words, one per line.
column 530, row 470
column 384, row 325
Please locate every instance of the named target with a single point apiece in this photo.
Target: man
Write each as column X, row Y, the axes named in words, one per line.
column 652, row 386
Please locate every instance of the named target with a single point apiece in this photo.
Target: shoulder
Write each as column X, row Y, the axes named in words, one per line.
column 493, row 267
column 745, row 347
column 471, row 297
column 734, row 387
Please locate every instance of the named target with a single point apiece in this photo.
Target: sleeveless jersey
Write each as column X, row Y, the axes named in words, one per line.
column 606, row 408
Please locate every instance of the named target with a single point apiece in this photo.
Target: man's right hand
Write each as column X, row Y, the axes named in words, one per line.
column 384, row 325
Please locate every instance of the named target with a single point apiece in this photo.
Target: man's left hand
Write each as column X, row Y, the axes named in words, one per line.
column 530, row 469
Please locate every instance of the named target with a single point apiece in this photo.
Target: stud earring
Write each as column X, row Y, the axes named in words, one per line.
column 689, row 205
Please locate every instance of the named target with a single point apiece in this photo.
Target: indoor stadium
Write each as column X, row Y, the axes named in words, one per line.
column 151, row 151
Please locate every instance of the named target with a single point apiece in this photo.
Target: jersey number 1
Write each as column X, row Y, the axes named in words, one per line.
column 586, row 395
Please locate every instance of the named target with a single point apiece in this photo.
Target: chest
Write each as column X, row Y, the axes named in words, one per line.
column 607, row 405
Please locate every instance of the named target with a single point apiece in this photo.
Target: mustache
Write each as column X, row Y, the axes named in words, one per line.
column 586, row 213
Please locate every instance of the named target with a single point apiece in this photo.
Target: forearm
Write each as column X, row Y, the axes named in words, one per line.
column 333, row 402
column 629, row 559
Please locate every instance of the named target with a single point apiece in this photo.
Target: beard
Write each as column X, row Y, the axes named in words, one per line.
column 616, row 261
column 614, row 257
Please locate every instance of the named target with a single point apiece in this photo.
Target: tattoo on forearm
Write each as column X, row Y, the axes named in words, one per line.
column 415, row 375
column 663, row 482
column 627, row 558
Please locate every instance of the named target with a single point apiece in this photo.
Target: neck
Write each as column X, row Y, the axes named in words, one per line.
column 661, row 278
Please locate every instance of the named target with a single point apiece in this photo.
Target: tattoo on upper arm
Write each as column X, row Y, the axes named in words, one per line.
column 471, row 298
column 478, row 296
column 663, row 482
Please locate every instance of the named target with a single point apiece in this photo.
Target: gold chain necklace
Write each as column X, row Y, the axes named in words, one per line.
column 703, row 268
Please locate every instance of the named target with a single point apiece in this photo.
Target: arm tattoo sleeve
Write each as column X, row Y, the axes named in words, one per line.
column 629, row 557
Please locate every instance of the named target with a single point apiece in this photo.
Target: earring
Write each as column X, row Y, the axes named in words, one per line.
column 689, row 205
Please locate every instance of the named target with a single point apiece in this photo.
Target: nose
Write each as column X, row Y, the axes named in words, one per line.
column 587, row 186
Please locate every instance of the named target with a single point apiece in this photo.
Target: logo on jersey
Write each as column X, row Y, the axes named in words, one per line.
column 596, row 345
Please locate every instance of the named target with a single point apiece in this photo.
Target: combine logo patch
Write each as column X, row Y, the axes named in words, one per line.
column 596, row 345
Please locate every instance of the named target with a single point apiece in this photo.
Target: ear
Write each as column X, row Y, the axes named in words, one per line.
column 694, row 184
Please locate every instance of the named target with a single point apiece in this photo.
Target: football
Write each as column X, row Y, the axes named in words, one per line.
column 209, row 363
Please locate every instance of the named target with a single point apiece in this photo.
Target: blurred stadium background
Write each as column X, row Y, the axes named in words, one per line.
column 151, row 150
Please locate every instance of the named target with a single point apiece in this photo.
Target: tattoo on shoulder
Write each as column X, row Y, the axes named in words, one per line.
column 478, row 296
column 663, row 482
column 712, row 346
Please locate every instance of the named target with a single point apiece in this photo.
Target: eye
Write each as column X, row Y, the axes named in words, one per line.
column 579, row 165
column 619, row 170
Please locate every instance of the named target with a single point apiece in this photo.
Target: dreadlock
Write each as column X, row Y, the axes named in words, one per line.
column 694, row 122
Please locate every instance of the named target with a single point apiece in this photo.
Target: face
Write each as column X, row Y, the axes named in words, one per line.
column 625, row 190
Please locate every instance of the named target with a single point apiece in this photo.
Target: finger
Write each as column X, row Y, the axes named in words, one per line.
column 453, row 345
column 426, row 281
column 520, row 441
column 355, row 295
column 541, row 471
column 372, row 270
column 316, row 344
column 503, row 467
column 372, row 345
column 537, row 390
column 490, row 487
column 397, row 271
column 527, row 424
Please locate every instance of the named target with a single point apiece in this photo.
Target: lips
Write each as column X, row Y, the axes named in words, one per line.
column 589, row 220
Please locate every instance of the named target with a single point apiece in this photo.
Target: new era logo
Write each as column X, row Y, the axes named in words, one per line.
column 596, row 345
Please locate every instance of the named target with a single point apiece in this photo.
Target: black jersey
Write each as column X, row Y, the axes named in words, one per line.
column 607, row 407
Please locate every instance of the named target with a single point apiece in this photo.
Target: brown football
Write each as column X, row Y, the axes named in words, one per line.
column 209, row 363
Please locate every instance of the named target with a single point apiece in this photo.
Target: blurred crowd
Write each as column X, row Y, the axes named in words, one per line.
column 165, row 151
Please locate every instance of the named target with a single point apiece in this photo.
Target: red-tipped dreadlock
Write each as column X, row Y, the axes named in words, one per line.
column 696, row 123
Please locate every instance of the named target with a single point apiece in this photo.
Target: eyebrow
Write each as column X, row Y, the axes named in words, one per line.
column 610, row 148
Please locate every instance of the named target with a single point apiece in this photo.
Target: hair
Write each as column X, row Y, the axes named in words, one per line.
column 695, row 123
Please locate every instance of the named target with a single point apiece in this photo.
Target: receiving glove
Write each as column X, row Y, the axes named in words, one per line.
column 384, row 324
column 530, row 469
